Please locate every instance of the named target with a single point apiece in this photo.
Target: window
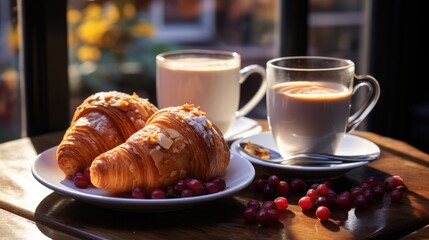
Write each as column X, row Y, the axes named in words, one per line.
column 113, row 44
column 10, row 104
column 335, row 29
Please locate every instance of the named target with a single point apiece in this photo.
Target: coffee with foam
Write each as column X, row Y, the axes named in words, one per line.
column 308, row 116
column 210, row 79
column 212, row 84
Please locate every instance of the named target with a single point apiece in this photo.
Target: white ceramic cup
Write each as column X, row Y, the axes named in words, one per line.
column 210, row 79
column 309, row 102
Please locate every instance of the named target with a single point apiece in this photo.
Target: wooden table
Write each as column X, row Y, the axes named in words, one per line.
column 28, row 210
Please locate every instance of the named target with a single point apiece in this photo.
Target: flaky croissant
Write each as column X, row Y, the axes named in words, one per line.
column 176, row 143
column 103, row 121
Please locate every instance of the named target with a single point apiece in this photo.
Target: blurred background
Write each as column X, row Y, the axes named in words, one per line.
column 66, row 51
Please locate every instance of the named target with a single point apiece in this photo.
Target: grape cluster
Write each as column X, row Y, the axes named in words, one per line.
column 324, row 199
column 321, row 197
column 184, row 188
column 265, row 214
column 82, row 179
column 273, row 186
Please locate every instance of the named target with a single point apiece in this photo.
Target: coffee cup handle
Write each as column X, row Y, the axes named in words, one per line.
column 244, row 74
column 371, row 99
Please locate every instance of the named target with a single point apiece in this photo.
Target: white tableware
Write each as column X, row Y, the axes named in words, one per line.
column 242, row 127
column 309, row 102
column 351, row 145
column 210, row 79
column 239, row 174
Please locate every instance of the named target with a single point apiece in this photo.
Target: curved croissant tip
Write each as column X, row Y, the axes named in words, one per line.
column 95, row 169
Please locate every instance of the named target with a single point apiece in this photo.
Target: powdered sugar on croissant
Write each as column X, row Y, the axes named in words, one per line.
column 176, row 143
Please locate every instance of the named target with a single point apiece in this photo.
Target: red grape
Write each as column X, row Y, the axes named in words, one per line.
column 87, row 173
column 253, row 204
column 312, row 194
column 393, row 182
column 259, row 184
column 372, row 181
column 323, row 213
column 282, row 188
column 181, row 185
column 369, row 195
column 297, row 185
column 81, row 181
column 269, row 191
column 266, row 217
column 195, row 185
column 322, row 189
column 137, row 193
column 322, row 201
column 378, row 192
column 305, row 203
column 250, row 215
column 273, row 180
column 361, row 202
column 269, row 205
column 187, row 193
column 158, row 194
column 212, row 187
column 355, row 191
column 220, row 182
column 396, row 195
column 282, row 203
column 344, row 201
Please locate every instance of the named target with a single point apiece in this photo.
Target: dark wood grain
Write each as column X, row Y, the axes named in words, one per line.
column 422, row 233
column 29, row 203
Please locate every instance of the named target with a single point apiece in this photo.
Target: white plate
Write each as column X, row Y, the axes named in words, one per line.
column 351, row 145
column 239, row 174
column 242, row 127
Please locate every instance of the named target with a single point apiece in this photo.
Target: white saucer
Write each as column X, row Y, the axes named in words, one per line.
column 239, row 174
column 242, row 127
column 351, row 145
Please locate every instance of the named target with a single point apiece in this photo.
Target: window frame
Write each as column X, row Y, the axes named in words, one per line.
column 44, row 59
column 43, row 63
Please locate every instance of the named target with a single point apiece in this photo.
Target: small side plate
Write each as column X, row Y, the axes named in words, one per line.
column 351, row 145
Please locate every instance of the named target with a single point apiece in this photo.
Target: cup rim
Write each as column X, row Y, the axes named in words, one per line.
column 348, row 64
column 232, row 54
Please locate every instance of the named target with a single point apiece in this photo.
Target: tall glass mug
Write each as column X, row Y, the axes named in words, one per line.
column 309, row 102
column 207, row 78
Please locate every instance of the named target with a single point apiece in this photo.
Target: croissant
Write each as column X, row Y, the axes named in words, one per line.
column 176, row 143
column 103, row 121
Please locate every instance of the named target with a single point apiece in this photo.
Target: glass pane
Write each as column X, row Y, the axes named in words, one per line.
column 10, row 109
column 113, row 44
column 335, row 28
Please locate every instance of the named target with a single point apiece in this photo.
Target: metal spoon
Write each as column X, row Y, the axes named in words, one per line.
column 309, row 158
